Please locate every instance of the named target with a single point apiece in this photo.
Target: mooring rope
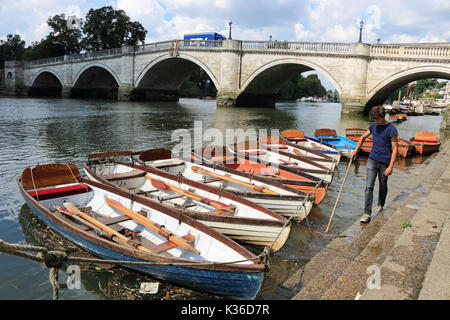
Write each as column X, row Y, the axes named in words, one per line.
column 55, row 260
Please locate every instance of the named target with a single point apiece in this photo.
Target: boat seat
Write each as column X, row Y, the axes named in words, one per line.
column 58, row 192
column 165, row 246
column 109, row 222
column 168, row 163
column 125, row 175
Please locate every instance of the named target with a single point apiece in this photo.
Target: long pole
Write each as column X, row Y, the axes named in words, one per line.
column 339, row 194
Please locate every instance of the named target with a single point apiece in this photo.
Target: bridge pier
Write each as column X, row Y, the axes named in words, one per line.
column 66, row 91
column 353, row 104
column 226, row 98
column 124, row 92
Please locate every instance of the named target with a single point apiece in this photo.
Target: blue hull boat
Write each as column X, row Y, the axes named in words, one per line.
column 221, row 266
column 329, row 136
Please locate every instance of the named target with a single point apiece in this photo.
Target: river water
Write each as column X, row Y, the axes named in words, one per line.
column 42, row 130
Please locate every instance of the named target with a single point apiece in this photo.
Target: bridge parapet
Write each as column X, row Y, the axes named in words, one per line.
column 428, row 50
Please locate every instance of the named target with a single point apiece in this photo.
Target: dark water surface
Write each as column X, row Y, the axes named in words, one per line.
column 60, row 130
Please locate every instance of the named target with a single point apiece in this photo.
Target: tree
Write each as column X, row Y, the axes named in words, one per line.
column 106, row 28
column 11, row 49
column 63, row 35
column 300, row 86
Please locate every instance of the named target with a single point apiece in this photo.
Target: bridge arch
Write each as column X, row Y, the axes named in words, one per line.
column 164, row 57
column 162, row 78
column 45, row 82
column 95, row 80
column 262, row 85
column 384, row 88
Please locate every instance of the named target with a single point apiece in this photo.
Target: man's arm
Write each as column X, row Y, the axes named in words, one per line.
column 394, row 141
column 360, row 142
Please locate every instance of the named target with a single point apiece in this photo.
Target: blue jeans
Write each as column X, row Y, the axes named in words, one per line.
column 375, row 168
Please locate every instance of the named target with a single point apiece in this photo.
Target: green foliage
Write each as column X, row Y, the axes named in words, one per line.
column 300, row 86
column 198, row 85
column 64, row 36
column 106, row 28
column 423, row 85
column 11, row 49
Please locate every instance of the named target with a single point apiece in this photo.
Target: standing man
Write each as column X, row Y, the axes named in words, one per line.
column 381, row 158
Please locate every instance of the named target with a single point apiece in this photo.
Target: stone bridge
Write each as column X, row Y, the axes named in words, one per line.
column 245, row 73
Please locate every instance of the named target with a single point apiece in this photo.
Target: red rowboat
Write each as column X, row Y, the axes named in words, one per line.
column 425, row 142
column 404, row 147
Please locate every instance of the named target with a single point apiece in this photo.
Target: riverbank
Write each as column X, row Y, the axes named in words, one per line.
column 403, row 253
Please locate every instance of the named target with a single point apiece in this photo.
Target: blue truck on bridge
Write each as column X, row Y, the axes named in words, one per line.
column 203, row 39
column 204, row 36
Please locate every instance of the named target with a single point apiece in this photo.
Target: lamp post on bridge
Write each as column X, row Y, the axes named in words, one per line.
column 361, row 24
column 229, row 32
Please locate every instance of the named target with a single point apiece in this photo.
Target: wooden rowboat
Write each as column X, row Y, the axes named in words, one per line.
column 425, row 142
column 114, row 224
column 405, row 148
column 276, row 142
column 270, row 194
column 344, row 145
column 238, row 218
column 220, row 155
column 254, row 150
column 298, row 137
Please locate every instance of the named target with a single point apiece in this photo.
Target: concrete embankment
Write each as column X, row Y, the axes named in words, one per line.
column 403, row 253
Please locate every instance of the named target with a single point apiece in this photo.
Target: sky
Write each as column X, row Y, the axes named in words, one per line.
column 391, row 21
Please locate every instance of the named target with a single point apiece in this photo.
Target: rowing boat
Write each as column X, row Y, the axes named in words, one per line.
column 254, row 150
column 114, row 224
column 270, row 194
column 425, row 142
column 220, row 155
column 298, row 137
column 278, row 143
column 344, row 145
column 404, row 146
column 237, row 218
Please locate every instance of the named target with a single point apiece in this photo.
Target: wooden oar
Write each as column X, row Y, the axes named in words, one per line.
column 69, row 206
column 242, row 183
column 339, row 194
column 213, row 203
column 150, row 224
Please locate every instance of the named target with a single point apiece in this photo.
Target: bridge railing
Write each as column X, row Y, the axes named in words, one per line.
column 45, row 61
column 296, row 46
column 96, row 54
column 411, row 50
column 179, row 44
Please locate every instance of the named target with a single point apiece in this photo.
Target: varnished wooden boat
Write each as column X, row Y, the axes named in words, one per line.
column 280, row 144
column 330, row 136
column 234, row 216
column 212, row 262
column 298, row 137
column 254, row 150
column 270, row 194
column 404, row 146
column 425, row 142
column 220, row 155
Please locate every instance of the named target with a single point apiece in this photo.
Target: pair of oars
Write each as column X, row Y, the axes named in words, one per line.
column 221, row 207
column 72, row 211
column 230, row 179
